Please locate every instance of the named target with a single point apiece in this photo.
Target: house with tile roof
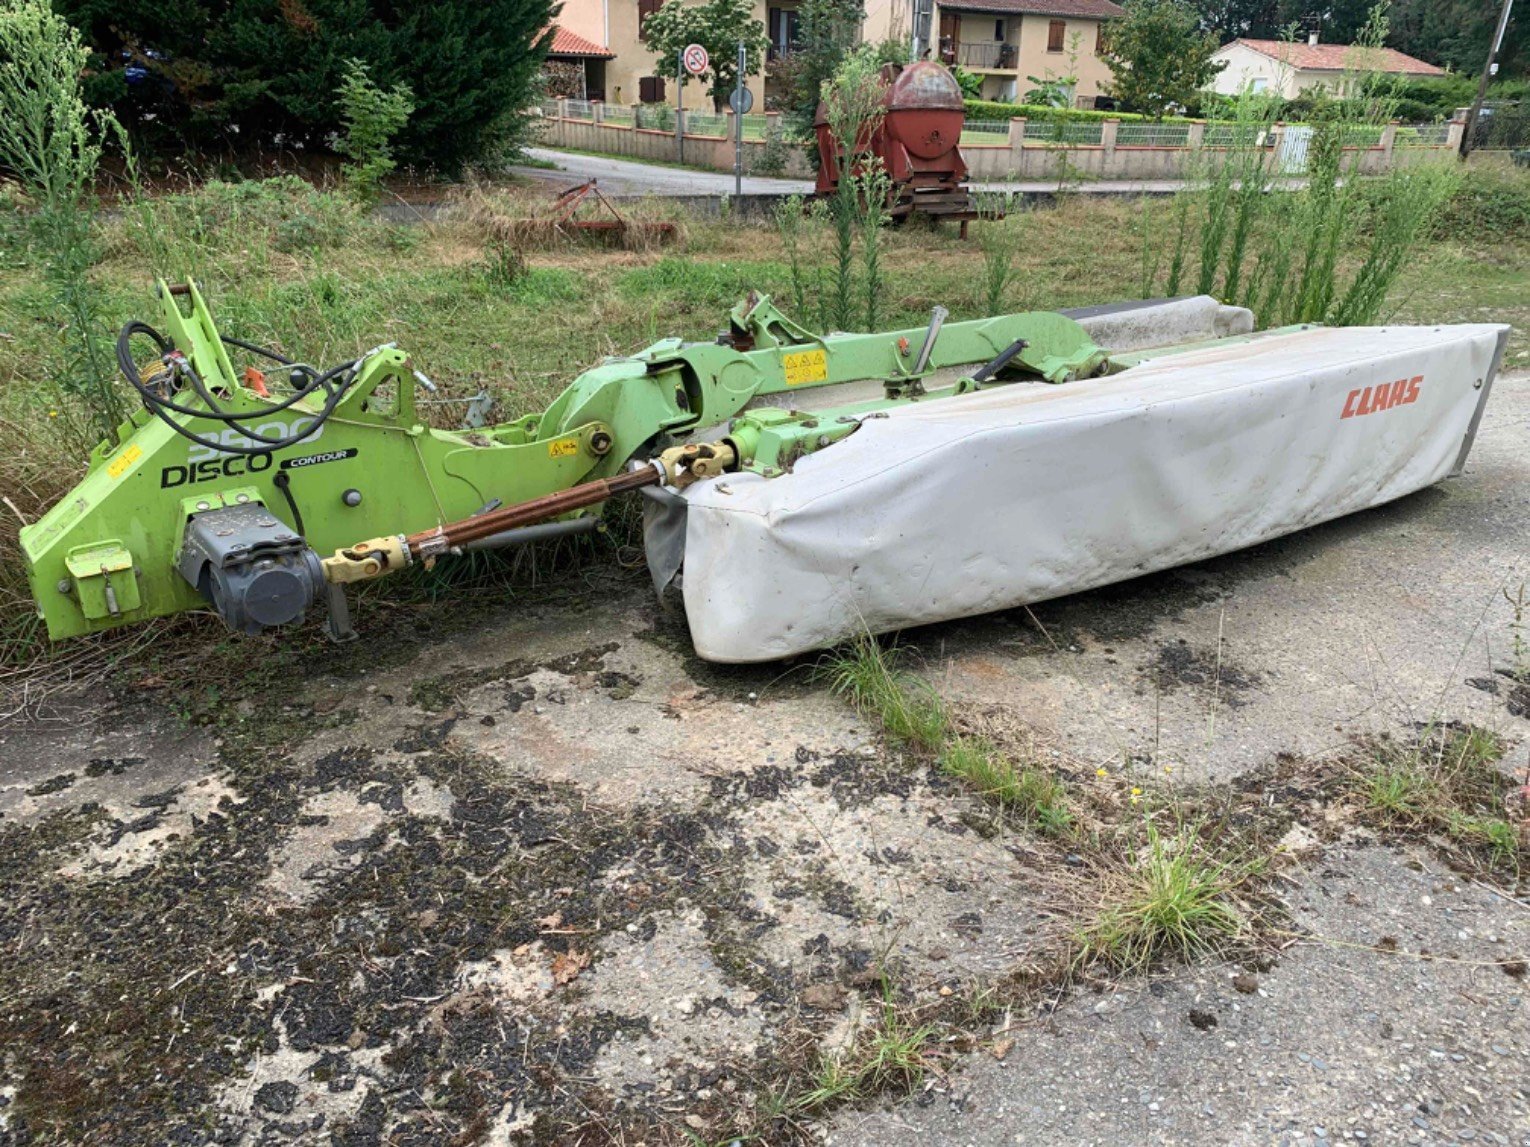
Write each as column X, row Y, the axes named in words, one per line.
column 1005, row 42
column 1002, row 41
column 1288, row 69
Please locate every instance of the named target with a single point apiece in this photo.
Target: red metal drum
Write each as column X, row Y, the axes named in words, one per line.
column 917, row 142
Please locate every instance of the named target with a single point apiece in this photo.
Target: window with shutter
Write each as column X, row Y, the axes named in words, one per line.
column 651, row 89
column 1099, row 39
column 1056, row 31
column 646, row 8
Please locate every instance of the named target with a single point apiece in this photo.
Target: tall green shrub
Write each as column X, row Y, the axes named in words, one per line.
column 52, row 142
column 371, row 118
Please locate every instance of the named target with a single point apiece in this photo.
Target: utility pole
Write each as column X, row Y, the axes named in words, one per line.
column 1487, row 74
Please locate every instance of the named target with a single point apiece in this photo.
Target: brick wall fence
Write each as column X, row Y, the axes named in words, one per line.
column 1020, row 150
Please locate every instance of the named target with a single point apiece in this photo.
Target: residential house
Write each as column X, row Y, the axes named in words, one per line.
column 632, row 73
column 1288, row 69
column 1009, row 42
column 1006, row 42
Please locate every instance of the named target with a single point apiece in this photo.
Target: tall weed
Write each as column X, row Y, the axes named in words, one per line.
column 53, row 142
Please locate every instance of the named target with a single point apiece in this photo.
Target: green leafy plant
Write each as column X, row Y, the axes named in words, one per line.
column 827, row 31
column 853, row 107
column 1159, row 56
column 999, row 236
column 1031, row 794
column 1447, row 780
column 718, row 26
column 52, row 143
column 370, row 119
column 894, row 1057
column 867, row 676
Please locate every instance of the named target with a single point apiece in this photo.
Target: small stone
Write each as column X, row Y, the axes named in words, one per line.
column 695, row 1122
column 1245, row 983
column 1466, row 1134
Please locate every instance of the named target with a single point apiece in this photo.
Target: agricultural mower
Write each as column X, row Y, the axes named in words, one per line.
column 798, row 487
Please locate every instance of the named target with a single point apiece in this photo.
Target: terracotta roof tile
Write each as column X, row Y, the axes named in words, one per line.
column 565, row 43
column 1336, row 57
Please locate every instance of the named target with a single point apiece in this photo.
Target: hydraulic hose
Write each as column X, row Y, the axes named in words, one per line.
column 163, row 407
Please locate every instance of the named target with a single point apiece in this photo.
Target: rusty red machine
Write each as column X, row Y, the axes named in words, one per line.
column 918, row 141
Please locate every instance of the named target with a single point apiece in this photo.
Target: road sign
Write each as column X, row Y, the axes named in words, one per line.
column 694, row 58
column 741, row 100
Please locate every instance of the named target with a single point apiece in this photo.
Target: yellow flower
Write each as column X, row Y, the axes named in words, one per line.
column 1102, row 772
column 1136, row 792
column 52, row 414
column 1168, row 768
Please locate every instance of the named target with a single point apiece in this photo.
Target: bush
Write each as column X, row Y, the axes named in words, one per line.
column 1492, row 204
column 256, row 74
column 372, row 117
column 994, row 110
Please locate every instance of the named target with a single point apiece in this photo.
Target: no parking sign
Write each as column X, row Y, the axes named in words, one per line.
column 694, row 58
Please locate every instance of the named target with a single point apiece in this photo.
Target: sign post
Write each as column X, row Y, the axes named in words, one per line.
column 738, row 125
column 693, row 60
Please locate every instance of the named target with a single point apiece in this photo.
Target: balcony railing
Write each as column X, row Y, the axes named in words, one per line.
column 996, row 55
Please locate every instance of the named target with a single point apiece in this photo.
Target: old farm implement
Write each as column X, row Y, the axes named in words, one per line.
column 798, row 487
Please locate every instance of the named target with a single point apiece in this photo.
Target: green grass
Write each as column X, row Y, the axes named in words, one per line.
column 1171, row 897
column 1029, row 793
column 866, row 674
column 1447, row 781
column 892, row 1057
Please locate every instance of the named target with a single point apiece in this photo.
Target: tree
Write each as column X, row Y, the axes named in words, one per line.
column 1229, row 19
column 254, row 72
column 827, row 31
column 1159, row 56
column 718, row 26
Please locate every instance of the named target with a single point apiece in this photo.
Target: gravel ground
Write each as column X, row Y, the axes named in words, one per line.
column 531, row 871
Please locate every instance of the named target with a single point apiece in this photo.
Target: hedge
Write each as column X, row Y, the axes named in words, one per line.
column 993, row 110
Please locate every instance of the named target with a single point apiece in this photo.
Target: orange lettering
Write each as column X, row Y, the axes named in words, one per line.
column 1412, row 390
column 1349, row 404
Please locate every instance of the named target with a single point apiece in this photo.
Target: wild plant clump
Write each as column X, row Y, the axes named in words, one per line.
column 371, row 117
column 1324, row 245
column 1448, row 781
column 53, row 142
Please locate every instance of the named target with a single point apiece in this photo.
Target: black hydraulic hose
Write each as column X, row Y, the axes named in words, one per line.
column 162, row 407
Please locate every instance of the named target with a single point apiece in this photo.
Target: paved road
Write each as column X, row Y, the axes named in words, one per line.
column 629, row 177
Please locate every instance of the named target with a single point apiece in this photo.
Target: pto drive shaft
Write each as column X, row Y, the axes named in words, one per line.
column 678, row 466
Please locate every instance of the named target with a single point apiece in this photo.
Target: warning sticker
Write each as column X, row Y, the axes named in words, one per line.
column 563, row 448
column 118, row 466
column 805, row 366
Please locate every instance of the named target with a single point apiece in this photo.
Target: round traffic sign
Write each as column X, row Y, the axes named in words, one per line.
column 694, row 58
column 747, row 100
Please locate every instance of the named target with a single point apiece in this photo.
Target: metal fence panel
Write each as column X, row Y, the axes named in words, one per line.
column 1152, row 134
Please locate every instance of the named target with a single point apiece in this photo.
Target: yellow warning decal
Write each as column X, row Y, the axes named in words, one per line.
column 118, row 466
column 563, row 448
column 804, row 366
